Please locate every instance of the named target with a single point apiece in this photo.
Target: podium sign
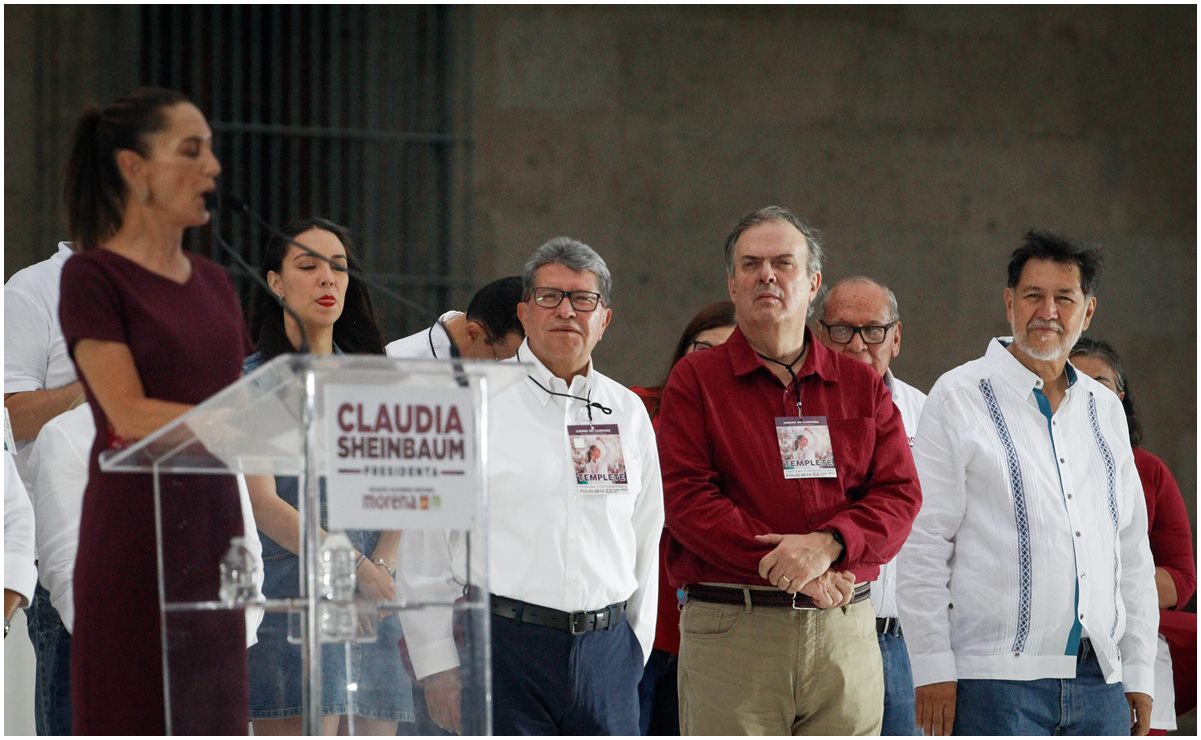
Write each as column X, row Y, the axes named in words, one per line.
column 400, row 458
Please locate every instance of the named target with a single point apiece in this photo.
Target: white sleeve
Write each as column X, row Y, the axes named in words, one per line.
column 648, row 527
column 27, row 337
column 60, row 461
column 1139, row 642
column 254, row 614
column 20, row 574
column 924, row 565
column 424, row 576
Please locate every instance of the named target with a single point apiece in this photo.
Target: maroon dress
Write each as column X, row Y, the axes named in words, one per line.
column 187, row 341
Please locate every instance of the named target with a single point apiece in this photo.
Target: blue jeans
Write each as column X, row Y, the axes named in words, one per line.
column 52, row 673
column 658, row 697
column 899, row 709
column 547, row 681
column 1084, row 705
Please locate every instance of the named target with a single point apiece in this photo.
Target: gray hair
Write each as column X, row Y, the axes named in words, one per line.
column 893, row 313
column 776, row 213
column 570, row 253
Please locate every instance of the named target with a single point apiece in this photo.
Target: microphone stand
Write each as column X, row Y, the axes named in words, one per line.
column 258, row 279
column 241, row 206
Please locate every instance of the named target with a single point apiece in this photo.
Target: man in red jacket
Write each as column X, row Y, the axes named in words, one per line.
column 776, row 550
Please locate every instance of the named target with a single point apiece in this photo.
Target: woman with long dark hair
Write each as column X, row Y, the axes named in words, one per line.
column 152, row 330
column 659, row 706
column 1168, row 527
column 336, row 317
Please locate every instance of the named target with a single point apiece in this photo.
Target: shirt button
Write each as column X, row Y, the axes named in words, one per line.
column 1082, row 575
column 1077, row 534
column 1082, row 617
column 1062, row 460
column 1069, row 495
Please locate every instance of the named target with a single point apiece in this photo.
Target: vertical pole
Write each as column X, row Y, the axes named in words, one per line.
column 310, row 531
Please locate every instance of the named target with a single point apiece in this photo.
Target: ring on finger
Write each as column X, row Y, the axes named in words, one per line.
column 786, row 579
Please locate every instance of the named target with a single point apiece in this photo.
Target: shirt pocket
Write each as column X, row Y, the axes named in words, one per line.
column 854, row 443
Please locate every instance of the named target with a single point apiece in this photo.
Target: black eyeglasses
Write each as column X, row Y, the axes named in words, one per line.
column 696, row 345
column 581, row 300
column 871, row 334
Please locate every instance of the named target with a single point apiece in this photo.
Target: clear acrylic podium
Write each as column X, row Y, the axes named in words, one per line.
column 383, row 449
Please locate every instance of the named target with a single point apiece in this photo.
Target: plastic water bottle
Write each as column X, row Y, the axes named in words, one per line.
column 336, row 586
column 238, row 570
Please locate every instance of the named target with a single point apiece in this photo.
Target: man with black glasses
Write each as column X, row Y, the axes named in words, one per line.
column 775, row 548
column 859, row 318
column 573, row 534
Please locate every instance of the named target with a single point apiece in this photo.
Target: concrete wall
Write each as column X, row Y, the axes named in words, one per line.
column 57, row 60
column 921, row 141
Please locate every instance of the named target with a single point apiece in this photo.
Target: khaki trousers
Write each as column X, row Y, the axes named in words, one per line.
column 778, row 671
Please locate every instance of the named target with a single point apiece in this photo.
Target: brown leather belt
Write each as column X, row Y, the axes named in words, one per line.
column 763, row 597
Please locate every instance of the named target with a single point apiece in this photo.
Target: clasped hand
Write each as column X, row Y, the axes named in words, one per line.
column 800, row 563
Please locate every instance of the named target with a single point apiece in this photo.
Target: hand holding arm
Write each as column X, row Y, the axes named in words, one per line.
column 797, row 559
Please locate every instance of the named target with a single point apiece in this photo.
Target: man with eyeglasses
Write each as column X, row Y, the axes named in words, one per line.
column 1027, row 588
column 859, row 318
column 488, row 331
column 573, row 543
column 773, row 548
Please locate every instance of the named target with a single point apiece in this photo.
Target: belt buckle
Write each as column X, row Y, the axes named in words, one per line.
column 578, row 623
column 800, row 608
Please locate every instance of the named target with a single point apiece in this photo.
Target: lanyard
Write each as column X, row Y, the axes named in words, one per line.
column 796, row 382
column 589, row 401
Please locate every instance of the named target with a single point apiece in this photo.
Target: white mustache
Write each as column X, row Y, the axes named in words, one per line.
column 1040, row 324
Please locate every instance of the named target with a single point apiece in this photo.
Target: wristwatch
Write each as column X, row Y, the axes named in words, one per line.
column 841, row 542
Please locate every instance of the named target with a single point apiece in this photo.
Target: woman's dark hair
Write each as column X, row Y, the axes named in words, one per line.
column 95, row 191
column 713, row 316
column 355, row 331
column 1103, row 350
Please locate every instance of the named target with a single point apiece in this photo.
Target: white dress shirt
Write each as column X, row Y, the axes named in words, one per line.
column 1026, row 525
column 35, row 353
column 548, row 544
column 20, row 575
column 909, row 402
column 430, row 342
column 59, row 459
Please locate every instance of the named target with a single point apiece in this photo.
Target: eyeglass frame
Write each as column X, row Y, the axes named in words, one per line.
column 696, row 345
column 858, row 330
column 569, row 295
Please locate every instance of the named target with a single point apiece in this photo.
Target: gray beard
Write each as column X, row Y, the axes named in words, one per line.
column 1060, row 351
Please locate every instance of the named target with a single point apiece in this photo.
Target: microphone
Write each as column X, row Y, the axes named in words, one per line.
column 211, row 203
column 234, row 203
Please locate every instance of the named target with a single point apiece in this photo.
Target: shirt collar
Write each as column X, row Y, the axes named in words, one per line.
column 63, row 254
column 1019, row 377
column 818, row 361
column 888, row 381
column 581, row 385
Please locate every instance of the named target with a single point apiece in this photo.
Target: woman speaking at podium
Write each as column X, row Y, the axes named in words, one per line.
column 153, row 330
